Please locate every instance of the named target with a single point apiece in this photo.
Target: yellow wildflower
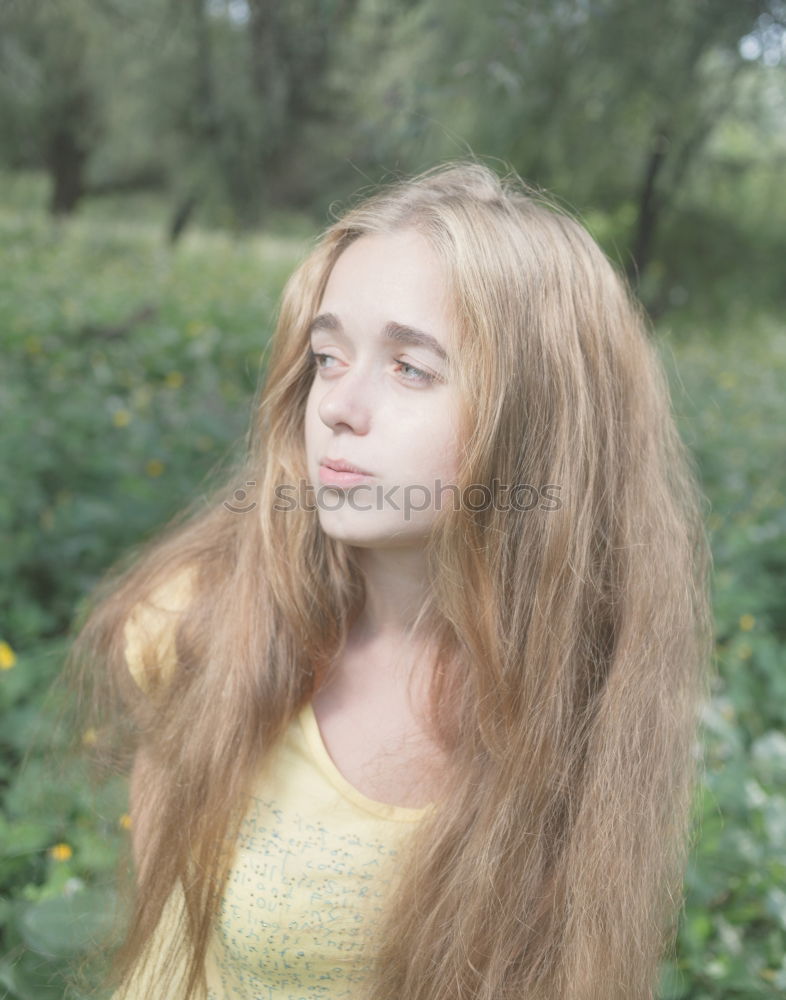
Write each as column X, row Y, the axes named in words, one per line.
column 174, row 380
column 121, row 418
column 154, row 467
column 141, row 396
column 747, row 622
column 124, row 822
column 89, row 737
column 60, row 852
column 7, row 656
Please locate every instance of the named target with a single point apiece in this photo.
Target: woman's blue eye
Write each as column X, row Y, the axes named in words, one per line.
column 420, row 375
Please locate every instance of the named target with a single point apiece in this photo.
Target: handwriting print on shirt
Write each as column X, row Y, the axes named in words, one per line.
column 298, row 915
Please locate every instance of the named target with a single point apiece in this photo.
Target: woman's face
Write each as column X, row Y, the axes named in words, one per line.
column 372, row 403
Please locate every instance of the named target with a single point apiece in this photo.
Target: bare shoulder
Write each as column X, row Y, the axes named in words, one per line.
column 149, row 630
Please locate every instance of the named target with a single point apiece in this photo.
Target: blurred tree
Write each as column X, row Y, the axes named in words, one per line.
column 611, row 101
column 249, row 76
column 239, row 107
column 52, row 106
column 683, row 93
column 292, row 46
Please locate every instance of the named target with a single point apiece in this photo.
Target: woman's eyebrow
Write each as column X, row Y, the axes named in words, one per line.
column 391, row 331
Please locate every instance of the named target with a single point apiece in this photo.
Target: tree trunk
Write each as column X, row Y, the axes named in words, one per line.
column 649, row 208
column 66, row 160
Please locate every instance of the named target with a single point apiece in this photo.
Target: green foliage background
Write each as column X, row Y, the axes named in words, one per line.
column 130, row 362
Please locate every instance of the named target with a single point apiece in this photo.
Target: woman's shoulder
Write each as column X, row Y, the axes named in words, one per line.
column 149, row 630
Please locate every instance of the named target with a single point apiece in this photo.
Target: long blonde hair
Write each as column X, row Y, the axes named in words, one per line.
column 574, row 643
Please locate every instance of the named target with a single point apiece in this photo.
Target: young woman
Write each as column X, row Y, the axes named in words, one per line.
column 426, row 729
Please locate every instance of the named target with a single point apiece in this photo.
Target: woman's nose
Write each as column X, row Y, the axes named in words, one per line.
column 347, row 401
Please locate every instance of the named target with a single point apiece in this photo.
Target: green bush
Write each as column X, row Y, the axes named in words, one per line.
column 726, row 386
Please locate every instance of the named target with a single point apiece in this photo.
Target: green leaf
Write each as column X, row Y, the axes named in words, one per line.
column 58, row 928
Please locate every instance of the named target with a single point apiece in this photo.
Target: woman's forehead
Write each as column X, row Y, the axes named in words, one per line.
column 394, row 283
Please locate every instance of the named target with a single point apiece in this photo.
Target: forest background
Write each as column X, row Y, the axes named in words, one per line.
column 164, row 165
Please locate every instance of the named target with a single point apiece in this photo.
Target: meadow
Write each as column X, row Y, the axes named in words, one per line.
column 128, row 371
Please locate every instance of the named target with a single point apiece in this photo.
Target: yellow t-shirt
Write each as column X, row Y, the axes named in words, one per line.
column 315, row 860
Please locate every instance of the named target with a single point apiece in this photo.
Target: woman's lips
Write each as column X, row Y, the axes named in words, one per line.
column 334, row 477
